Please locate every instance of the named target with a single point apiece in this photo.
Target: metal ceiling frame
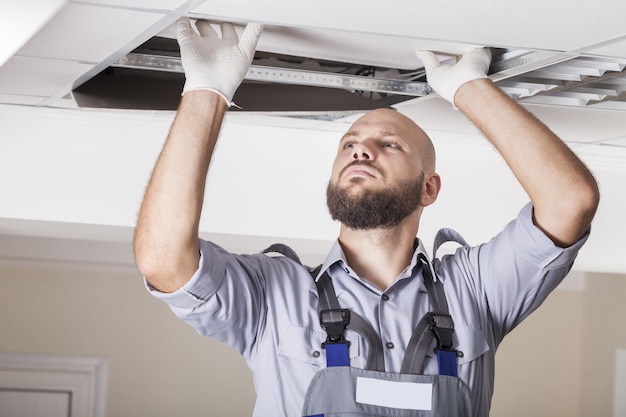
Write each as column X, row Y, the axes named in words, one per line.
column 541, row 77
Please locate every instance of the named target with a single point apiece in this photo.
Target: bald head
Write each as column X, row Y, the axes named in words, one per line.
column 405, row 127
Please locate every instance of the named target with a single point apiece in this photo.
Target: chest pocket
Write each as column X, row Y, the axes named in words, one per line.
column 305, row 345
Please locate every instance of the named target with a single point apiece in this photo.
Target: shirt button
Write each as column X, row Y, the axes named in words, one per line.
column 389, row 345
column 316, row 354
column 385, row 297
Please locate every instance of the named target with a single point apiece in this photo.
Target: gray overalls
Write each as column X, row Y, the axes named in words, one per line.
column 340, row 390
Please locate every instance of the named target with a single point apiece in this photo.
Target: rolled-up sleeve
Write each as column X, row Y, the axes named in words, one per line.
column 515, row 271
column 198, row 289
column 223, row 299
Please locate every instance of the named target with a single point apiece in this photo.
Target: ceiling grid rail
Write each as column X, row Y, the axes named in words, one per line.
column 541, row 77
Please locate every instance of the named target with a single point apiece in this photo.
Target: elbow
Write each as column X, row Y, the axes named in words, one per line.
column 581, row 205
column 166, row 270
column 588, row 200
column 566, row 218
column 577, row 217
column 148, row 263
column 580, row 199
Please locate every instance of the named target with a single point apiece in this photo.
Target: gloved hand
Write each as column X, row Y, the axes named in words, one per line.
column 446, row 79
column 214, row 63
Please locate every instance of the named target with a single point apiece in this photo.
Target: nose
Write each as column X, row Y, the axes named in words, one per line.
column 362, row 151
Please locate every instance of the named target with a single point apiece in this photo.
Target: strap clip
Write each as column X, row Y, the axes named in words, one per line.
column 335, row 321
column 442, row 327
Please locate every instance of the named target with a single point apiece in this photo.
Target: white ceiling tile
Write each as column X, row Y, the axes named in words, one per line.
column 91, row 33
column 359, row 48
column 615, row 48
column 61, row 103
column 434, row 113
column 529, row 24
column 142, row 4
column 20, row 20
column 616, row 142
column 38, row 77
column 581, row 125
column 20, row 99
column 572, row 124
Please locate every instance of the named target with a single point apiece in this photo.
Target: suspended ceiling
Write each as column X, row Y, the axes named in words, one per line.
column 565, row 61
column 574, row 66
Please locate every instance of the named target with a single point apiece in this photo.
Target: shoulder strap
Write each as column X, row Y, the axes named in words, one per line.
column 447, row 235
column 437, row 324
column 333, row 312
column 328, row 302
column 283, row 250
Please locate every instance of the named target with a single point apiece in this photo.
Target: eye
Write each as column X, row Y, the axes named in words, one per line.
column 348, row 145
column 390, row 145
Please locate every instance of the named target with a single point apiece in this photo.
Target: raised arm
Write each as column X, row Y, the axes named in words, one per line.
column 166, row 236
column 563, row 191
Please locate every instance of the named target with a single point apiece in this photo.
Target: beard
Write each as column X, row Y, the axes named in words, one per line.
column 374, row 209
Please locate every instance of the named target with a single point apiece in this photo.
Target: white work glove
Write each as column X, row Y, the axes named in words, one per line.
column 214, row 63
column 447, row 79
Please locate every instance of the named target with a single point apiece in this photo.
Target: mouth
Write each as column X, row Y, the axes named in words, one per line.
column 359, row 169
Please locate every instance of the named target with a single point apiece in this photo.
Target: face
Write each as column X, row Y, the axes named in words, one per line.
column 379, row 172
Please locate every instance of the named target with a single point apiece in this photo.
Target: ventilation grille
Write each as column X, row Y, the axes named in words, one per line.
column 579, row 81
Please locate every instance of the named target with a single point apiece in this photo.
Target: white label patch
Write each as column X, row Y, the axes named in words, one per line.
column 407, row 395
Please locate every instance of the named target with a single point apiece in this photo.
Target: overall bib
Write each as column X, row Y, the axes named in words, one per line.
column 340, row 390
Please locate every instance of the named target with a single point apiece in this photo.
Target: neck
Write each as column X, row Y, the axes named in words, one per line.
column 380, row 255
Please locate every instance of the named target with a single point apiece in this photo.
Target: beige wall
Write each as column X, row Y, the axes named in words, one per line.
column 557, row 363
column 604, row 330
column 561, row 360
column 538, row 366
column 158, row 365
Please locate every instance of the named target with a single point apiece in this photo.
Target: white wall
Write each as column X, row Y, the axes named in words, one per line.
column 84, row 169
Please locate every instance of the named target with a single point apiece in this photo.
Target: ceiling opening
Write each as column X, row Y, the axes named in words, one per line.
column 151, row 78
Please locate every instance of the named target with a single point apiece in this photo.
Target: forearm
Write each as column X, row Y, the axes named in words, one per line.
column 563, row 191
column 166, row 237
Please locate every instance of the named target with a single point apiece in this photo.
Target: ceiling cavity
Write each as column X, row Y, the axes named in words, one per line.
column 151, row 77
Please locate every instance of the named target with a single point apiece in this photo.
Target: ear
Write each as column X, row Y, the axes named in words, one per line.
column 432, row 185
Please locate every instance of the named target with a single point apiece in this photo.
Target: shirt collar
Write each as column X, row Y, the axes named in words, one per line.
column 336, row 256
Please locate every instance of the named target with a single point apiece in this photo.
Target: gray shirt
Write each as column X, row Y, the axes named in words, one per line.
column 267, row 309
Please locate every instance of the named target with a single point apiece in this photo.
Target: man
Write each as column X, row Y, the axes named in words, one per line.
column 382, row 178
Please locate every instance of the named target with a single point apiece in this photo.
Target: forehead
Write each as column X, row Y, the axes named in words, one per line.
column 385, row 122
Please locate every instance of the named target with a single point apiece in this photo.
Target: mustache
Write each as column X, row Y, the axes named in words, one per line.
column 359, row 162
